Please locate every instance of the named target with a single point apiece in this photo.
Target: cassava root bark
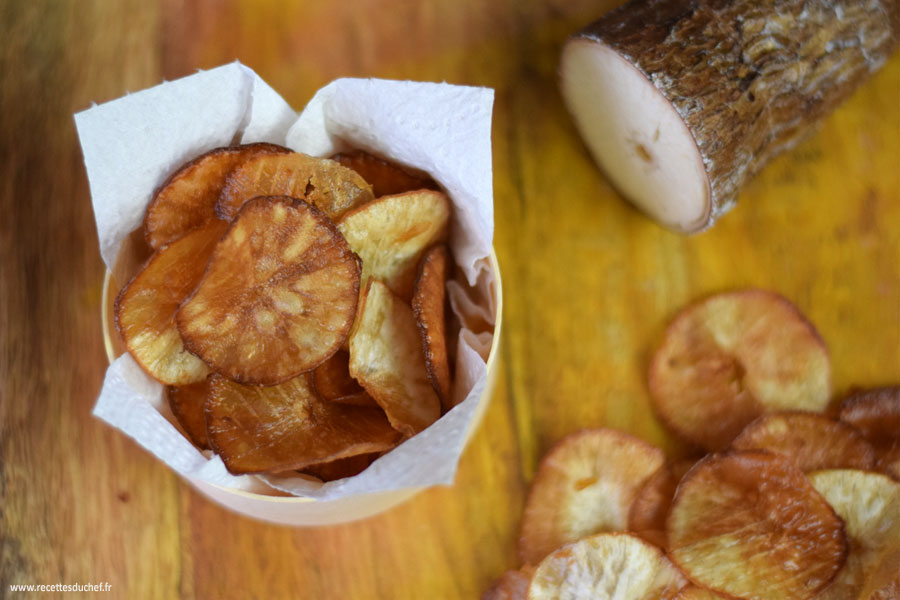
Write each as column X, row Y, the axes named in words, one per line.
column 682, row 101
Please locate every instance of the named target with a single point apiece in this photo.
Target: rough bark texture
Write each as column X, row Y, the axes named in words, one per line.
column 749, row 77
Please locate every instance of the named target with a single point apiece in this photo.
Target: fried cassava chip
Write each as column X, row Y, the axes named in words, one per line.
column 186, row 402
column 648, row 513
column 749, row 524
column 732, row 357
column 258, row 429
column 429, row 295
column 332, row 381
column 584, row 485
column 869, row 504
column 392, row 233
column 812, row 441
column 341, row 468
column 385, row 177
column 876, row 413
column 607, row 566
column 279, row 296
column 145, row 308
column 331, row 187
column 386, row 358
column 187, row 200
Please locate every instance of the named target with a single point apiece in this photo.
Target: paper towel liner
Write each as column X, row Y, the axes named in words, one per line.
column 131, row 145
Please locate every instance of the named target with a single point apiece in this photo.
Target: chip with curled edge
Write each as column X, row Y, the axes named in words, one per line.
column 386, row 358
column 392, row 234
column 279, row 295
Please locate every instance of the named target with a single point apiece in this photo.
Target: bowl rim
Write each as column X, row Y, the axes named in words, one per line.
column 490, row 364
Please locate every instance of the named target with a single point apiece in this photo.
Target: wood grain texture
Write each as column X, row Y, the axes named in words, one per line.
column 589, row 287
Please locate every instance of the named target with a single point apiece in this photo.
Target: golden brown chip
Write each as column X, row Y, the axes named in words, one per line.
column 279, row 295
column 584, row 485
column 286, row 427
column 331, row 187
column 869, row 504
column 876, row 413
column 732, row 357
column 186, row 402
column 392, row 233
column 342, row 467
column 386, row 178
column 332, row 381
column 607, row 566
column 145, row 308
column 749, row 524
column 512, row 585
column 812, row 441
column 187, row 200
column 386, row 358
column 428, row 303
column 648, row 512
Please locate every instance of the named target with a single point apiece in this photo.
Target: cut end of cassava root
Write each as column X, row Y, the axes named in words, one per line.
column 635, row 135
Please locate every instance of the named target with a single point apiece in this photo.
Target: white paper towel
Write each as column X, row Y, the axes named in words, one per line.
column 131, row 145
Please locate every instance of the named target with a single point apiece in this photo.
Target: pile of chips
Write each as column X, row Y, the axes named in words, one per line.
column 294, row 307
column 791, row 502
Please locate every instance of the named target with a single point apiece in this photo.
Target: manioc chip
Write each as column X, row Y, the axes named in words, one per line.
column 342, row 467
column 607, row 566
column 392, row 233
column 648, row 512
column 750, row 524
column 585, row 484
column 145, row 308
column 429, row 295
column 869, row 504
column 279, row 296
column 875, row 412
column 332, row 381
column 284, row 427
column 186, row 402
column 386, row 358
column 187, row 200
column 732, row 357
column 812, row 441
column 331, row 187
column 385, row 177
column 512, row 585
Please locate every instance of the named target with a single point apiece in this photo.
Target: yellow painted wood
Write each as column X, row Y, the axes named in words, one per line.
column 589, row 286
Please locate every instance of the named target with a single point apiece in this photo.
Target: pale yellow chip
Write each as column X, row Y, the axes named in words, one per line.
column 386, row 359
column 607, row 566
column 584, row 485
column 869, row 504
column 392, row 233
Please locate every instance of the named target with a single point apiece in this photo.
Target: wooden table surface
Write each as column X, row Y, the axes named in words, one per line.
column 589, row 286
